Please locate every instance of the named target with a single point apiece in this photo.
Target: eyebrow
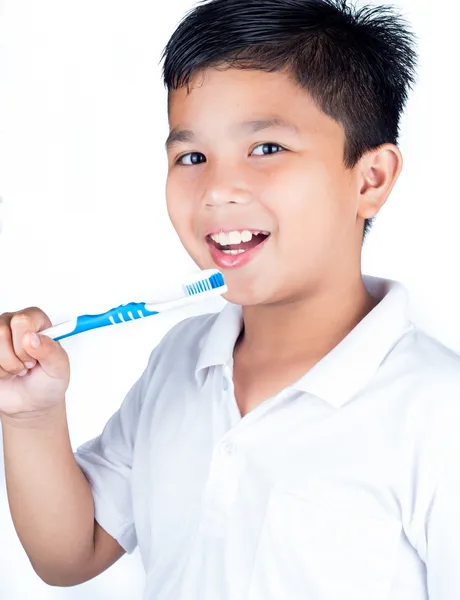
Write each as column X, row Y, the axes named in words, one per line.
column 178, row 136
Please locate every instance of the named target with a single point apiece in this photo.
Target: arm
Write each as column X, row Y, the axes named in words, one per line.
column 442, row 531
column 51, row 501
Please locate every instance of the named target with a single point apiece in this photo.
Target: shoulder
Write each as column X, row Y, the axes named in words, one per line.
column 426, row 379
column 430, row 394
column 428, row 361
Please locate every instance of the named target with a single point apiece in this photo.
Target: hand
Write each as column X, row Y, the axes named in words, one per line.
column 33, row 378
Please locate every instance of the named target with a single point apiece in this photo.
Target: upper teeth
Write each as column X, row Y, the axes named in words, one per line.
column 234, row 237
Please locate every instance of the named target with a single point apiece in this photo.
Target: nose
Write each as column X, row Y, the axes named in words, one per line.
column 225, row 185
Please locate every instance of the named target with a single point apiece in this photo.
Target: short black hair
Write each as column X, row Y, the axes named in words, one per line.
column 358, row 64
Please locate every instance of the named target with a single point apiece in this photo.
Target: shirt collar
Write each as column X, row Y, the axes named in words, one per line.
column 217, row 345
column 349, row 366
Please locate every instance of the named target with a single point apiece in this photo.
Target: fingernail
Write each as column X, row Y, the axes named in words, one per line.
column 29, row 364
column 22, row 373
column 34, row 340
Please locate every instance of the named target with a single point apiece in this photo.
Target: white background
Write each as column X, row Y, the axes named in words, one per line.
column 82, row 173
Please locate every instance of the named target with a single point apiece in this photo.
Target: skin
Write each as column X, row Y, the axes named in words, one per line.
column 49, row 497
column 303, row 292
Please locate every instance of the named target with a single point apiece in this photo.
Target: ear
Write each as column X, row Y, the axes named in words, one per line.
column 379, row 171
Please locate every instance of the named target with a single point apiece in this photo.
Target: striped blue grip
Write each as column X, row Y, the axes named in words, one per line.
column 121, row 314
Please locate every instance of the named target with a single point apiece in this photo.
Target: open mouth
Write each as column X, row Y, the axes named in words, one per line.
column 236, row 242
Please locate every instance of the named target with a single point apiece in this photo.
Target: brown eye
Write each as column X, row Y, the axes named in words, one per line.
column 192, row 158
column 267, row 148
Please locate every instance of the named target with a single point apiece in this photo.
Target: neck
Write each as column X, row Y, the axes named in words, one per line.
column 304, row 329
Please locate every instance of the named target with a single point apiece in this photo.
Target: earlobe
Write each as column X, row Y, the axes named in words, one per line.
column 379, row 173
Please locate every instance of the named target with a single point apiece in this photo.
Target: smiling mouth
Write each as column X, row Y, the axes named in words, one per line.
column 236, row 242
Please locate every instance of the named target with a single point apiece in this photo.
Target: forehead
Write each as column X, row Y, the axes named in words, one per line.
column 229, row 91
column 219, row 98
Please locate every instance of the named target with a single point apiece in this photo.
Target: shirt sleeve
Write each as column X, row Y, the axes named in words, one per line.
column 443, row 530
column 106, row 462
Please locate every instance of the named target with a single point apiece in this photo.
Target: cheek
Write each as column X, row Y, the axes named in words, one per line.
column 178, row 205
column 302, row 197
column 310, row 206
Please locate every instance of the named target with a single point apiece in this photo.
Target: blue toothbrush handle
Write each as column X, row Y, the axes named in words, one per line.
column 203, row 285
column 120, row 314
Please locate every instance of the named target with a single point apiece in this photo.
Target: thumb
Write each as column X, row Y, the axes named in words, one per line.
column 49, row 353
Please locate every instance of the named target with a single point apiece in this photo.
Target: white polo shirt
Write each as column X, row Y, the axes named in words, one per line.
column 345, row 486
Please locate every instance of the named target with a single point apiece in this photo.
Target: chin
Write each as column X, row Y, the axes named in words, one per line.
column 246, row 287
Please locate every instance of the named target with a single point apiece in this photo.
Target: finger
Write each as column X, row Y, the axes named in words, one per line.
column 9, row 362
column 28, row 320
column 50, row 354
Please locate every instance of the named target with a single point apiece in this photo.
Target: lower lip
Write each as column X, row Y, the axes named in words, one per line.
column 231, row 261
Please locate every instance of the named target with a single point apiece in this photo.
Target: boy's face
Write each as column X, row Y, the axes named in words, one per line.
column 231, row 172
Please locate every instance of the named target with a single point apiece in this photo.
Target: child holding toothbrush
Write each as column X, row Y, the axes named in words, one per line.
column 304, row 442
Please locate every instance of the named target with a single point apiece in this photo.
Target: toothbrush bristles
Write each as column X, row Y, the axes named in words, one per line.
column 213, row 282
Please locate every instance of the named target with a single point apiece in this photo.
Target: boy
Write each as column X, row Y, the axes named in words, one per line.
column 303, row 443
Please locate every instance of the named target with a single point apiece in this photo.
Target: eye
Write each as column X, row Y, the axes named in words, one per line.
column 192, row 158
column 268, row 148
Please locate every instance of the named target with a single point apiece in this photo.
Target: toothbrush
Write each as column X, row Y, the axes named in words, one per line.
column 199, row 286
